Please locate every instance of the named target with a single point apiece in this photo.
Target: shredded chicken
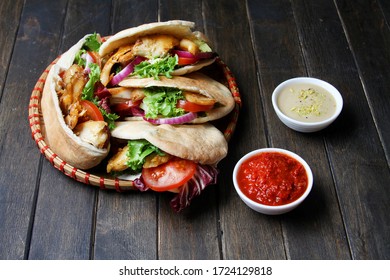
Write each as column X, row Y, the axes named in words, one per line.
column 154, row 45
column 93, row 132
column 122, row 94
column 69, row 94
column 123, row 55
column 76, row 111
column 154, row 160
column 118, row 161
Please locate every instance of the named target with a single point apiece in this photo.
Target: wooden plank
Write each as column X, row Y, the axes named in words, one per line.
column 131, row 13
column 384, row 6
column 370, row 41
column 357, row 161
column 61, row 230
column 182, row 10
column 126, row 224
column 65, row 208
column 306, row 230
column 244, row 233
column 9, row 23
column 85, row 17
column 19, row 156
column 192, row 234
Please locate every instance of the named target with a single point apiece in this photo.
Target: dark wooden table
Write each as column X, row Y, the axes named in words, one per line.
column 47, row 215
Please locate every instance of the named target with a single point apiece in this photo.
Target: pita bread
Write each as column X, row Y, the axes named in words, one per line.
column 179, row 28
column 60, row 138
column 195, row 82
column 202, row 143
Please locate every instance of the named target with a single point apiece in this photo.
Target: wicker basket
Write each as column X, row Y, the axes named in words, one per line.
column 90, row 177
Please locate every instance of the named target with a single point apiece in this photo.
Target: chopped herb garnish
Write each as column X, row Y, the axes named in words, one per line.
column 311, row 101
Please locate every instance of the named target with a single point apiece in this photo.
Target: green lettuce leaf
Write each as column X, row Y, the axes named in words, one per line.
column 138, row 151
column 78, row 58
column 155, row 67
column 161, row 101
column 88, row 94
column 109, row 118
column 92, row 43
column 94, row 77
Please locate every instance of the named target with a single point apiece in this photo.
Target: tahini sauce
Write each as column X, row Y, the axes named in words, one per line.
column 306, row 103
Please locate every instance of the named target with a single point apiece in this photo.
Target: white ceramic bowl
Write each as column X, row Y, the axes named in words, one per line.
column 302, row 126
column 267, row 209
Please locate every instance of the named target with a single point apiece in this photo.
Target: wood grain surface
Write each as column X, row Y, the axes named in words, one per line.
column 47, row 215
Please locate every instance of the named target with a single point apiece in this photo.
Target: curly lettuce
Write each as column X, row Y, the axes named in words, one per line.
column 161, row 101
column 155, row 67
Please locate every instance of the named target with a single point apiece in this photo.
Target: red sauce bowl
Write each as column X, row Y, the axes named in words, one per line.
column 272, row 181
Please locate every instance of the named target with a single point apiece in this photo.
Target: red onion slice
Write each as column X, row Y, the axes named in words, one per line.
column 88, row 59
column 137, row 111
column 175, row 120
column 125, row 71
column 200, row 55
column 101, row 91
column 181, row 53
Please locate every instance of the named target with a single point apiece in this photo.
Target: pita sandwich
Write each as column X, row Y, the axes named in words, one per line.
column 194, row 98
column 153, row 49
column 180, row 159
column 83, row 145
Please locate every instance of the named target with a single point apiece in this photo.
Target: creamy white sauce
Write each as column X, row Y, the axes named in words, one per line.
column 306, row 103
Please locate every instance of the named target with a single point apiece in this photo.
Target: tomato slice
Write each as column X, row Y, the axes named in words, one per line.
column 125, row 108
column 170, row 175
column 187, row 60
column 193, row 107
column 93, row 112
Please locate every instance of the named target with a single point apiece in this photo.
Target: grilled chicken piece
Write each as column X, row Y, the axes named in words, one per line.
column 154, row 45
column 123, row 55
column 118, row 161
column 73, row 70
column 122, row 94
column 198, row 98
column 78, row 82
column 93, row 132
column 154, row 160
column 76, row 111
column 188, row 45
column 74, row 81
column 66, row 99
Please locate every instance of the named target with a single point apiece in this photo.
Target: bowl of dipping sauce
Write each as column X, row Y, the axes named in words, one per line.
column 272, row 181
column 307, row 104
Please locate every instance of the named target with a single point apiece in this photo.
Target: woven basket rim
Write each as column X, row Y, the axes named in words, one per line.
column 84, row 176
